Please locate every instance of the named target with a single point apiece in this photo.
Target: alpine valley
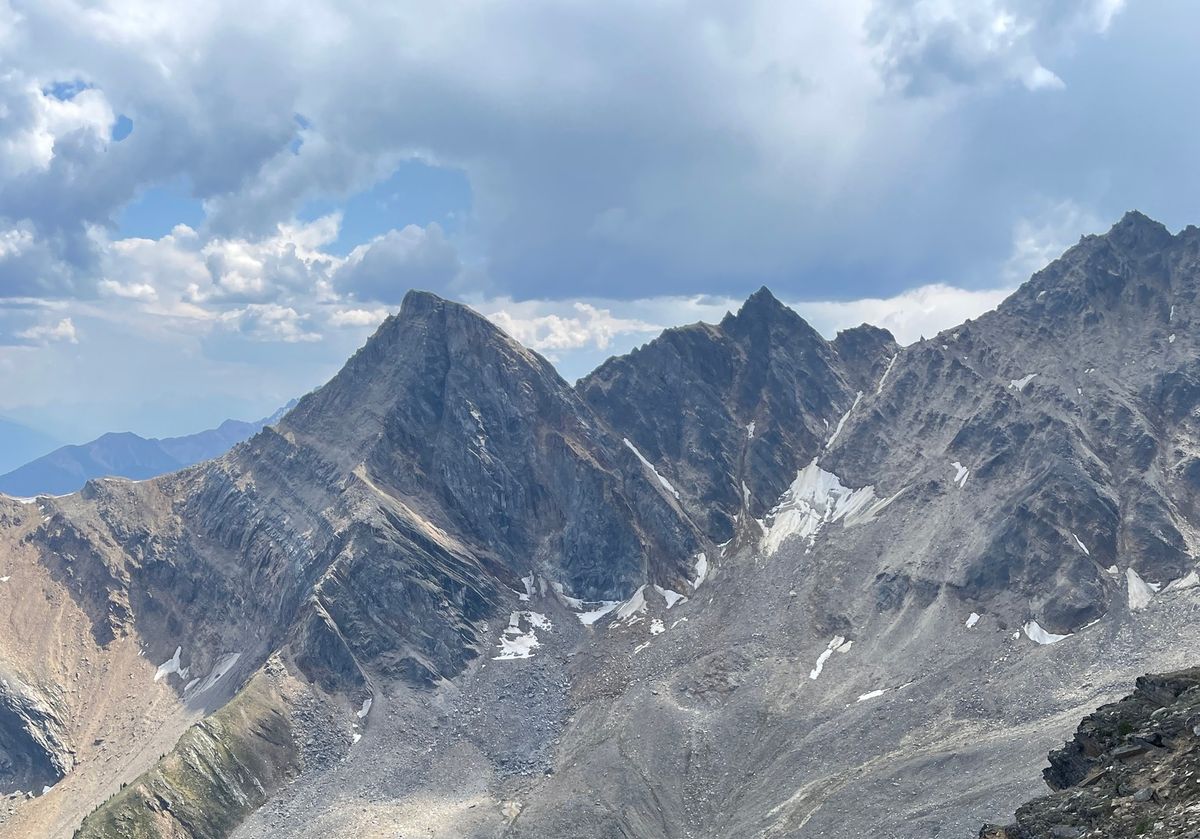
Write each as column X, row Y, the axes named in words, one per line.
column 742, row 582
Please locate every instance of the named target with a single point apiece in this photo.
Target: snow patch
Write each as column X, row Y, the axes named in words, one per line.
column 590, row 611
column 972, row 620
column 701, row 568
column 815, row 499
column 527, row 582
column 1020, row 383
column 515, row 642
column 1080, row 544
column 961, row 473
column 1113, row 571
column 362, row 712
column 1035, row 633
column 1192, row 580
column 171, row 665
column 1171, row 340
column 665, row 483
column 874, row 694
column 838, row 429
column 837, row 644
column 222, row 667
column 750, row 431
column 1140, row 594
column 672, row 597
column 657, row 627
column 634, row 605
column 601, row 609
column 886, row 370
column 5, row 579
column 538, row 620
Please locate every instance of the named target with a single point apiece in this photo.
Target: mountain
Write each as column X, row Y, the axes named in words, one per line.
column 20, row 443
column 744, row 581
column 126, row 455
column 732, row 411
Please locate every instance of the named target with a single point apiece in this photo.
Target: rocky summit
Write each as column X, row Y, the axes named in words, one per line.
column 742, row 582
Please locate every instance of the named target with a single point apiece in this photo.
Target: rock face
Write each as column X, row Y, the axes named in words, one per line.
column 1133, row 769
column 1071, row 406
column 730, row 412
column 449, row 595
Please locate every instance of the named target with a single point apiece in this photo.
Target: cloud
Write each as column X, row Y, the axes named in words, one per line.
column 587, row 326
column 388, row 266
column 607, row 144
column 909, row 316
column 128, row 291
column 357, row 317
column 269, row 322
column 926, row 45
column 1039, row 237
column 650, row 162
column 260, row 270
column 36, row 121
column 62, row 331
column 578, row 335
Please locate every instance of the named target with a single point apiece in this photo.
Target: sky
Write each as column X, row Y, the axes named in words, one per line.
column 204, row 211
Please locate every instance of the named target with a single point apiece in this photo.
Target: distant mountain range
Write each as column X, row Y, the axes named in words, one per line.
column 125, row 455
column 20, row 444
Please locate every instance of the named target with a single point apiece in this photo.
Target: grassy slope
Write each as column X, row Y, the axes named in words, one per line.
column 218, row 773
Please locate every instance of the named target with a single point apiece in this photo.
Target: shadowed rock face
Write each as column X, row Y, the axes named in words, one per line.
column 862, row 656
column 33, row 751
column 730, row 412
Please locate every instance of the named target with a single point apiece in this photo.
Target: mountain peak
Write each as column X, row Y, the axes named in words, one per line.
column 418, row 302
column 426, row 317
column 1136, row 229
column 763, row 311
column 761, row 302
column 763, row 295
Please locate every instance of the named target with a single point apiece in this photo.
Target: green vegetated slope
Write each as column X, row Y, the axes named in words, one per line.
column 221, row 770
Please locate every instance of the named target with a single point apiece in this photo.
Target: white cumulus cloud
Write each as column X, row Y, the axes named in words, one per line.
column 62, row 331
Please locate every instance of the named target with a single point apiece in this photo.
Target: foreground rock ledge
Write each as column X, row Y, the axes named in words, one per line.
column 1132, row 769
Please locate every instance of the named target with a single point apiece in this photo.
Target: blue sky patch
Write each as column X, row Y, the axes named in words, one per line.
column 158, row 209
column 66, row 91
column 122, row 128
column 415, row 193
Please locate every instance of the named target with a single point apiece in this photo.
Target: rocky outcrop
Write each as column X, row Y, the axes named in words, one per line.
column 1132, row 769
